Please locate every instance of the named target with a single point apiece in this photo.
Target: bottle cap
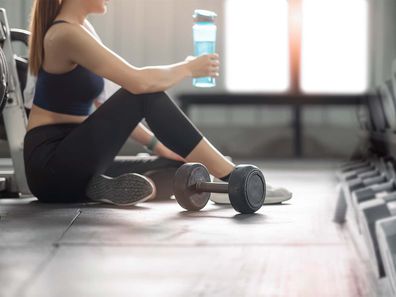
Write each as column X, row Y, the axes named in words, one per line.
column 202, row 16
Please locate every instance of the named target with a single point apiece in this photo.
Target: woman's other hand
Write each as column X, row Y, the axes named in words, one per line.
column 203, row 66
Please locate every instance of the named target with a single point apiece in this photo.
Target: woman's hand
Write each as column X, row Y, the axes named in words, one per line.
column 162, row 151
column 205, row 65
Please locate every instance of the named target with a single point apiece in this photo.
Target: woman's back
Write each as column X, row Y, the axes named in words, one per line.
column 64, row 90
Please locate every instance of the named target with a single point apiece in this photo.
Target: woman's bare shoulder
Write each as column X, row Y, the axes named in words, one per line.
column 59, row 34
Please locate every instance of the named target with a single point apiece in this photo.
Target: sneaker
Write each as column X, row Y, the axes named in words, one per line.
column 124, row 190
column 272, row 196
column 276, row 195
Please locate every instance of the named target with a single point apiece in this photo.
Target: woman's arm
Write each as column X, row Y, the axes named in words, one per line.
column 78, row 46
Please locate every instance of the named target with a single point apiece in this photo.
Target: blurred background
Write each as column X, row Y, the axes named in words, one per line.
column 266, row 47
column 304, row 84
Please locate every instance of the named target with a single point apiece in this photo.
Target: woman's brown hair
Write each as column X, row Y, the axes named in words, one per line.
column 43, row 14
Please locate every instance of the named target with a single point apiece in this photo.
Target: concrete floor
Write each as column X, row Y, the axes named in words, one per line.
column 157, row 249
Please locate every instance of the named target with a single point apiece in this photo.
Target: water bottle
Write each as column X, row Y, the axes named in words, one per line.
column 204, row 35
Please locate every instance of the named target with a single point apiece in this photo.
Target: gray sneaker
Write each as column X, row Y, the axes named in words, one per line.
column 124, row 190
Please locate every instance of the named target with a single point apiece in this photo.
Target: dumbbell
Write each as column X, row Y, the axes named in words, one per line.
column 370, row 187
column 385, row 230
column 370, row 212
column 378, row 175
column 357, row 179
column 369, row 192
column 246, row 187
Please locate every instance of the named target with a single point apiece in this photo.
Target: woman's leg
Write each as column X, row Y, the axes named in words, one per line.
column 91, row 147
column 196, row 147
column 216, row 163
column 140, row 165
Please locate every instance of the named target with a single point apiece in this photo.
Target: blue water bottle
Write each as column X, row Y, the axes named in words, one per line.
column 204, row 35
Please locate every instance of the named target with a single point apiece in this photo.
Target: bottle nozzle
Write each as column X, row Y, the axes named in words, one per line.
column 201, row 15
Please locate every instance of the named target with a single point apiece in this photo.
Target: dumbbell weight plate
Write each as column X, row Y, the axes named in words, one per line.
column 247, row 189
column 388, row 101
column 376, row 111
column 364, row 118
column 393, row 79
column 3, row 79
column 184, row 186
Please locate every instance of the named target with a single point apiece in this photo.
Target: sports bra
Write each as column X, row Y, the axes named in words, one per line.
column 71, row 93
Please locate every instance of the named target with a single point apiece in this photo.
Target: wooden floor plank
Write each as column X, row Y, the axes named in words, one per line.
column 157, row 249
column 27, row 222
column 18, row 266
column 202, row 271
column 306, row 219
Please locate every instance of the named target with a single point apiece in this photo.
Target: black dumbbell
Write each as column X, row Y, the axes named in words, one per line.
column 246, row 187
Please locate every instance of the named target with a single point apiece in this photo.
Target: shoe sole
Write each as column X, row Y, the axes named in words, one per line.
column 276, row 200
column 267, row 201
column 124, row 190
column 224, row 200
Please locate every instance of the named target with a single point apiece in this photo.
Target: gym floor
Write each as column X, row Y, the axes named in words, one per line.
column 156, row 249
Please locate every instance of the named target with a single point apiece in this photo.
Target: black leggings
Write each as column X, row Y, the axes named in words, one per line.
column 61, row 159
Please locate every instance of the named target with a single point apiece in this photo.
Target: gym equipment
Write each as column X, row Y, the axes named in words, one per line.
column 377, row 175
column 367, row 199
column 352, row 164
column 371, row 209
column 364, row 174
column 12, row 179
column 358, row 170
column 376, row 111
column 367, row 187
column 389, row 103
column 350, row 168
column 367, row 193
column 386, row 231
column 3, row 79
column 364, row 118
column 363, row 170
column 369, row 213
column 246, row 187
column 341, row 204
column 22, row 65
column 393, row 77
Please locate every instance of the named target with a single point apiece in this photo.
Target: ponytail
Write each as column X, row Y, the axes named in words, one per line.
column 43, row 14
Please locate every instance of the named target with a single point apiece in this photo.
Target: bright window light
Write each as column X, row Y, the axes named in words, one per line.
column 335, row 46
column 256, row 45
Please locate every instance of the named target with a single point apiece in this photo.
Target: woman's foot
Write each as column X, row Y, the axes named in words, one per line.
column 273, row 196
column 124, row 190
column 276, row 195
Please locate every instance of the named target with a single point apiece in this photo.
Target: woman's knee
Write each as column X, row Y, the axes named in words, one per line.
column 158, row 104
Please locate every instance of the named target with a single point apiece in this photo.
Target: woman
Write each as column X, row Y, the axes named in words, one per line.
column 160, row 168
column 67, row 149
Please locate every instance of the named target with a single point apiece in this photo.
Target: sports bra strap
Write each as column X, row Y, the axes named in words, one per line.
column 59, row 22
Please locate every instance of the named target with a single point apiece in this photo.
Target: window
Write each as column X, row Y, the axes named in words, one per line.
column 256, row 40
column 334, row 46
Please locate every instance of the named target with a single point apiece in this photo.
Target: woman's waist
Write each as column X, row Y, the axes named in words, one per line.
column 46, row 127
column 41, row 117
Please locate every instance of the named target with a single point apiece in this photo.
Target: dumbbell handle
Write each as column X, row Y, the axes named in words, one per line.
column 211, row 187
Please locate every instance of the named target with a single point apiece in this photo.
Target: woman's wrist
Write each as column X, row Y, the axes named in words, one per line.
column 187, row 67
